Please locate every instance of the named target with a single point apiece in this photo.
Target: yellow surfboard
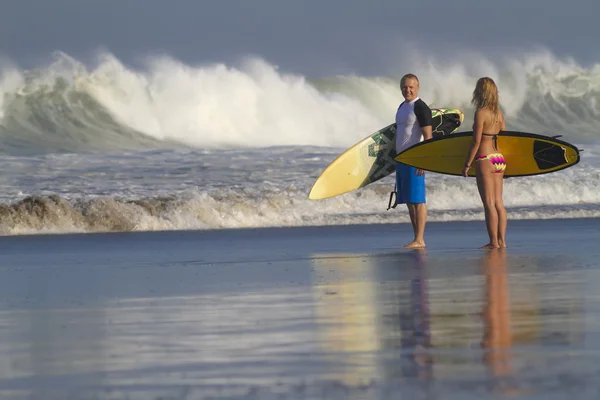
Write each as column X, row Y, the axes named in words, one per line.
column 373, row 157
column 525, row 154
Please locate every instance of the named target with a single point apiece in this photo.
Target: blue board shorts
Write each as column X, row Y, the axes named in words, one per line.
column 410, row 188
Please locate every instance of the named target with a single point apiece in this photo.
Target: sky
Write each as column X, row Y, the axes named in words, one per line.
column 309, row 36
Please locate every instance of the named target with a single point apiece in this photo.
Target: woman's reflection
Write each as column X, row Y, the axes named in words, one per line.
column 497, row 335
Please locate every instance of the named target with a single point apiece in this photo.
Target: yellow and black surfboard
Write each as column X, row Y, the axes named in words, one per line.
column 525, row 154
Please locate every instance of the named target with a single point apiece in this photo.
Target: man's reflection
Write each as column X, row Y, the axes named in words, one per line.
column 405, row 316
column 416, row 334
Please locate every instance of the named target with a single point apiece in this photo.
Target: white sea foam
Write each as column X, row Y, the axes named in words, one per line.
column 67, row 105
column 240, row 192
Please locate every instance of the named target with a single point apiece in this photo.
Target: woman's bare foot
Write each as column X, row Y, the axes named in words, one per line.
column 490, row 246
column 415, row 244
column 502, row 245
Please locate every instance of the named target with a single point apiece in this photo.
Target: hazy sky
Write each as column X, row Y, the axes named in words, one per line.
column 310, row 36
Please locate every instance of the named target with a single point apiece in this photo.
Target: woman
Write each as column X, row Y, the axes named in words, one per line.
column 488, row 161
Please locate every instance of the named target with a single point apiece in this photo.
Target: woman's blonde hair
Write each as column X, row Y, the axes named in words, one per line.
column 486, row 95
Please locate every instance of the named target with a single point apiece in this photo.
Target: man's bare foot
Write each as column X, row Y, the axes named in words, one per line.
column 490, row 246
column 502, row 245
column 415, row 244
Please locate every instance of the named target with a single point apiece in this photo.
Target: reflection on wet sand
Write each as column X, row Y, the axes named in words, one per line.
column 419, row 334
column 344, row 293
column 406, row 326
column 413, row 316
column 241, row 320
column 368, row 306
column 497, row 335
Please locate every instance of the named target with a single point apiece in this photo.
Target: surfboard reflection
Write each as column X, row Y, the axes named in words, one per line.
column 345, row 309
column 374, row 310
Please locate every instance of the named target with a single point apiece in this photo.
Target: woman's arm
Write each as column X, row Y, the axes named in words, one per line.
column 477, row 131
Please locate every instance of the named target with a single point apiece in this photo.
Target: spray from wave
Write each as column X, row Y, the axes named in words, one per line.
column 70, row 106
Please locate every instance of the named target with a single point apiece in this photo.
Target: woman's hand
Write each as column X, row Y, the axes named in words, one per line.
column 465, row 171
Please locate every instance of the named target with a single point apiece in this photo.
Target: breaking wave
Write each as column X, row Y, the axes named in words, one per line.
column 69, row 106
column 567, row 194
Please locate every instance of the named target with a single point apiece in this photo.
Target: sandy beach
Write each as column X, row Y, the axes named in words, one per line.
column 302, row 313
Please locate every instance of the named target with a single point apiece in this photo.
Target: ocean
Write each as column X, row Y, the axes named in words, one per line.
column 103, row 146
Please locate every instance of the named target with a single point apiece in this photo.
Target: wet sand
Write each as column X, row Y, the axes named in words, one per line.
column 303, row 313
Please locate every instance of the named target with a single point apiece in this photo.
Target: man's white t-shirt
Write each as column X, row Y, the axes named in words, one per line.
column 410, row 118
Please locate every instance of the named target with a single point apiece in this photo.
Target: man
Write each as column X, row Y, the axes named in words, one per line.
column 413, row 124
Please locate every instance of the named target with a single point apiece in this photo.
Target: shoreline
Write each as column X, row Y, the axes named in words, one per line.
column 384, row 225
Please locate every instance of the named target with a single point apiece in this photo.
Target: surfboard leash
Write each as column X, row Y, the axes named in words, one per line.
column 392, row 194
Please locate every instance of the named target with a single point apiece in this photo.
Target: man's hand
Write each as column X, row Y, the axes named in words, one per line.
column 419, row 172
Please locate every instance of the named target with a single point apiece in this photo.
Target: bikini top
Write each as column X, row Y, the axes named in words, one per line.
column 493, row 136
column 494, row 139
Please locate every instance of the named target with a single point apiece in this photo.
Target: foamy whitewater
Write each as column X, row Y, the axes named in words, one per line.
column 109, row 147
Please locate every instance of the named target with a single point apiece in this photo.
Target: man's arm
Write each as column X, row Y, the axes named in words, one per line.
column 423, row 113
column 427, row 132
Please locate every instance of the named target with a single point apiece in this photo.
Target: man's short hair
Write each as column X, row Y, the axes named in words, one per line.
column 409, row 76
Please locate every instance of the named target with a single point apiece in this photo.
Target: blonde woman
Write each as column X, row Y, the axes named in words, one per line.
column 488, row 160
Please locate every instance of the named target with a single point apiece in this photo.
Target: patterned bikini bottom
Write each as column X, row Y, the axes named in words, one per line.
column 495, row 158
